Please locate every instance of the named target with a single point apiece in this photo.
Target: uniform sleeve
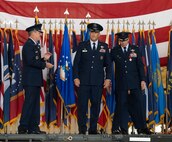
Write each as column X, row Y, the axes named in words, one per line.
column 108, row 64
column 31, row 59
column 76, row 62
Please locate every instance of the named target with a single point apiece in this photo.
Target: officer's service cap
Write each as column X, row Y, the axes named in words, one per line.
column 94, row 27
column 36, row 27
column 123, row 35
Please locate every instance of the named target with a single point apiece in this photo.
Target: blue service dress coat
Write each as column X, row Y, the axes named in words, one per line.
column 129, row 68
column 129, row 72
column 32, row 82
column 91, row 67
column 32, row 64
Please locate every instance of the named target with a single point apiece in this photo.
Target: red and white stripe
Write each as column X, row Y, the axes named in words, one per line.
column 101, row 11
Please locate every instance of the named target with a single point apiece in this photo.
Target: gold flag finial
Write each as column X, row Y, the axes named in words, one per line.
column 70, row 25
column 108, row 28
column 43, row 23
column 171, row 24
column 143, row 24
column 0, row 23
column 118, row 29
column 127, row 23
column 139, row 25
column 66, row 13
column 153, row 24
column 123, row 26
column 60, row 23
column 149, row 23
column 10, row 22
column 113, row 23
column 88, row 16
column 55, row 24
column 16, row 24
column 85, row 24
column 82, row 25
column 133, row 23
column 36, row 10
column 73, row 23
column 50, row 23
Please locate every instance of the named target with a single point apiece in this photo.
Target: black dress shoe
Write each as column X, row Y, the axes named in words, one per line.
column 93, row 132
column 82, row 132
column 36, row 132
column 22, row 131
column 124, row 132
column 144, row 131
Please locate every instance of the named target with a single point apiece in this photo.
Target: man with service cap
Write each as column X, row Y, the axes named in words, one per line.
column 129, row 82
column 92, row 73
column 32, row 81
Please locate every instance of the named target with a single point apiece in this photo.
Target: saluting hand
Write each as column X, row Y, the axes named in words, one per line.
column 77, row 82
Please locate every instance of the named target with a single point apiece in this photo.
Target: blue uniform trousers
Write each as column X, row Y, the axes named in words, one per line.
column 30, row 117
column 94, row 93
column 130, row 104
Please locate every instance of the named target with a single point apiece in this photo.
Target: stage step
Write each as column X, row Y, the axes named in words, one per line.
column 84, row 138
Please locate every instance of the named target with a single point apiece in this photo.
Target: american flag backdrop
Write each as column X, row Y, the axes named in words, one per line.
column 115, row 15
column 99, row 10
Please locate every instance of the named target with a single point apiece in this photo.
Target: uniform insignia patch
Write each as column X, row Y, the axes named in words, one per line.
column 102, row 50
column 101, row 57
column 85, row 50
column 37, row 57
column 133, row 54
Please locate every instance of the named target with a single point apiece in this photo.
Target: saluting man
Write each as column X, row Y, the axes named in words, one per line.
column 92, row 73
column 32, row 81
column 129, row 81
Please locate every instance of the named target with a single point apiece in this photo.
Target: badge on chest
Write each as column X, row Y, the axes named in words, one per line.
column 84, row 50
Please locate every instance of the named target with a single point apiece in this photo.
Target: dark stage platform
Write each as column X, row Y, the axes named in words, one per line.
column 84, row 138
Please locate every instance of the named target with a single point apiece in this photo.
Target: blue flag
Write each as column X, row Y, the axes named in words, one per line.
column 158, row 90
column 110, row 98
column 63, row 76
column 6, row 76
column 149, row 83
column 17, row 96
column 50, row 108
column 10, row 54
column 87, row 35
column 74, row 41
column 133, row 38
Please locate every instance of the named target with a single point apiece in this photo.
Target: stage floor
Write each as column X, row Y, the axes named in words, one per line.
column 84, row 138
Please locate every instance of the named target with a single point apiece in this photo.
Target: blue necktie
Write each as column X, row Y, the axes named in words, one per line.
column 125, row 51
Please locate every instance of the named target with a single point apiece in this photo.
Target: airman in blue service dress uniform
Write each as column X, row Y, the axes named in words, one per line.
column 32, row 81
column 92, row 72
column 129, row 81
